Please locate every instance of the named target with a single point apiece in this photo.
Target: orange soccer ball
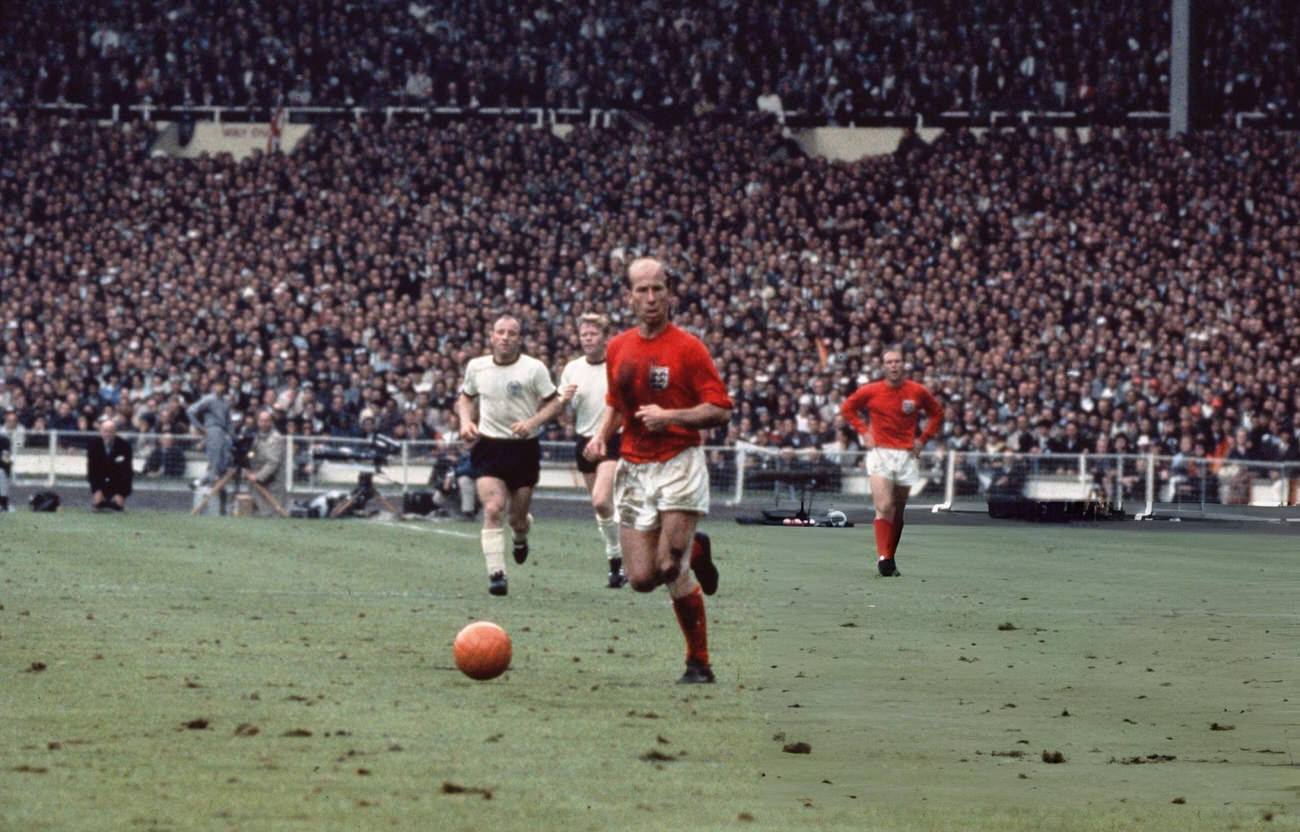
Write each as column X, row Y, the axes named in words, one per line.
column 482, row 650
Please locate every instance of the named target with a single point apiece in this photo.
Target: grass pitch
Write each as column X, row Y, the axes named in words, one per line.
column 163, row 671
column 1030, row 677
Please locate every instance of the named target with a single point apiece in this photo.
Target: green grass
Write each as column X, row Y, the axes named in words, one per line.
column 929, row 701
column 316, row 654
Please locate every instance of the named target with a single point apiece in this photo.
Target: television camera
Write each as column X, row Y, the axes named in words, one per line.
column 241, row 449
column 807, row 481
column 241, row 453
column 377, row 449
column 375, row 452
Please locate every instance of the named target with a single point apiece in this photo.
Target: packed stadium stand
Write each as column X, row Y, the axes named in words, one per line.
column 841, row 61
column 1112, row 291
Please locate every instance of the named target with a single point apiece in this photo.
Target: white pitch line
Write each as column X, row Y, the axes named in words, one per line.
column 415, row 528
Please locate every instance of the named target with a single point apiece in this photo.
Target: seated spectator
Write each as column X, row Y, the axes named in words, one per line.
column 845, row 450
column 64, row 420
column 109, row 468
column 1130, row 472
column 1236, row 474
column 1007, row 481
column 1182, row 478
column 37, row 437
column 165, row 459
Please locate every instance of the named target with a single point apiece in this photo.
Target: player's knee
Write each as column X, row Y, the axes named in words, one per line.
column 643, row 583
column 640, row 577
column 669, row 573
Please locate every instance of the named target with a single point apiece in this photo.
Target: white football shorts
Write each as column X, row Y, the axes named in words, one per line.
column 894, row 464
column 642, row 490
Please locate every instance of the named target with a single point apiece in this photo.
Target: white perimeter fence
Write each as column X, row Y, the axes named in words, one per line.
column 1138, row 485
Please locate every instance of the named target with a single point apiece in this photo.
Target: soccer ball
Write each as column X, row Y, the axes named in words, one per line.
column 482, row 650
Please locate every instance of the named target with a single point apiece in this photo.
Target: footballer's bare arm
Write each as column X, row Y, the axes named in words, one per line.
column 702, row 415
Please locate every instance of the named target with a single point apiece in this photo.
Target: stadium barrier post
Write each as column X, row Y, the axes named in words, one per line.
column 312, row 483
column 949, row 485
column 1149, row 511
column 289, row 463
column 739, row 494
column 1119, row 481
column 53, row 458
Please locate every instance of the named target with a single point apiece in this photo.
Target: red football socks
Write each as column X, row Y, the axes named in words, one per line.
column 690, row 616
column 885, row 539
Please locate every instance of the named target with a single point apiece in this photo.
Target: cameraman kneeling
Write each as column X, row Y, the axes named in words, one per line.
column 266, row 466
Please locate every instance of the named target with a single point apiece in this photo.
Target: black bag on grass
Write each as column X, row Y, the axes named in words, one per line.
column 45, row 501
column 418, row 502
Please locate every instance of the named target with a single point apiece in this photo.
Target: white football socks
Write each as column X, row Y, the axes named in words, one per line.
column 494, row 550
column 609, row 530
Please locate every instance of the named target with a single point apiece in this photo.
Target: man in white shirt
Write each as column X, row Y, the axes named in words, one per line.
column 582, row 386
column 504, row 400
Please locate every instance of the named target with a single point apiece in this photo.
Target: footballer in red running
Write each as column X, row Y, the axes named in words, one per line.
column 663, row 389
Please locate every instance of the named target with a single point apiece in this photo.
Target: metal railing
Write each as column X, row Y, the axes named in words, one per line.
column 1138, row 484
column 605, row 117
column 307, row 114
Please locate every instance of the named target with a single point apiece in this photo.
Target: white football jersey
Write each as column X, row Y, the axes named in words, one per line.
column 589, row 400
column 506, row 393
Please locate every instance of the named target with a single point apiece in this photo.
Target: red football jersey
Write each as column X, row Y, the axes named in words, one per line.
column 673, row 370
column 892, row 413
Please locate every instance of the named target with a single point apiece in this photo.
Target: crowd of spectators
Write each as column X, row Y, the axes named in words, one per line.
column 836, row 61
column 1128, row 293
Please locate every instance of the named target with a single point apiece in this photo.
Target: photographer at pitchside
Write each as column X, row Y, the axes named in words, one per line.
column 266, row 467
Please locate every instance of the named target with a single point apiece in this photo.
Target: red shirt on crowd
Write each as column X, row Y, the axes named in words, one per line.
column 892, row 413
column 672, row 370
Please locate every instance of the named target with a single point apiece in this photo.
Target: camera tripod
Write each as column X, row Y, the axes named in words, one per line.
column 363, row 493
column 225, row 479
